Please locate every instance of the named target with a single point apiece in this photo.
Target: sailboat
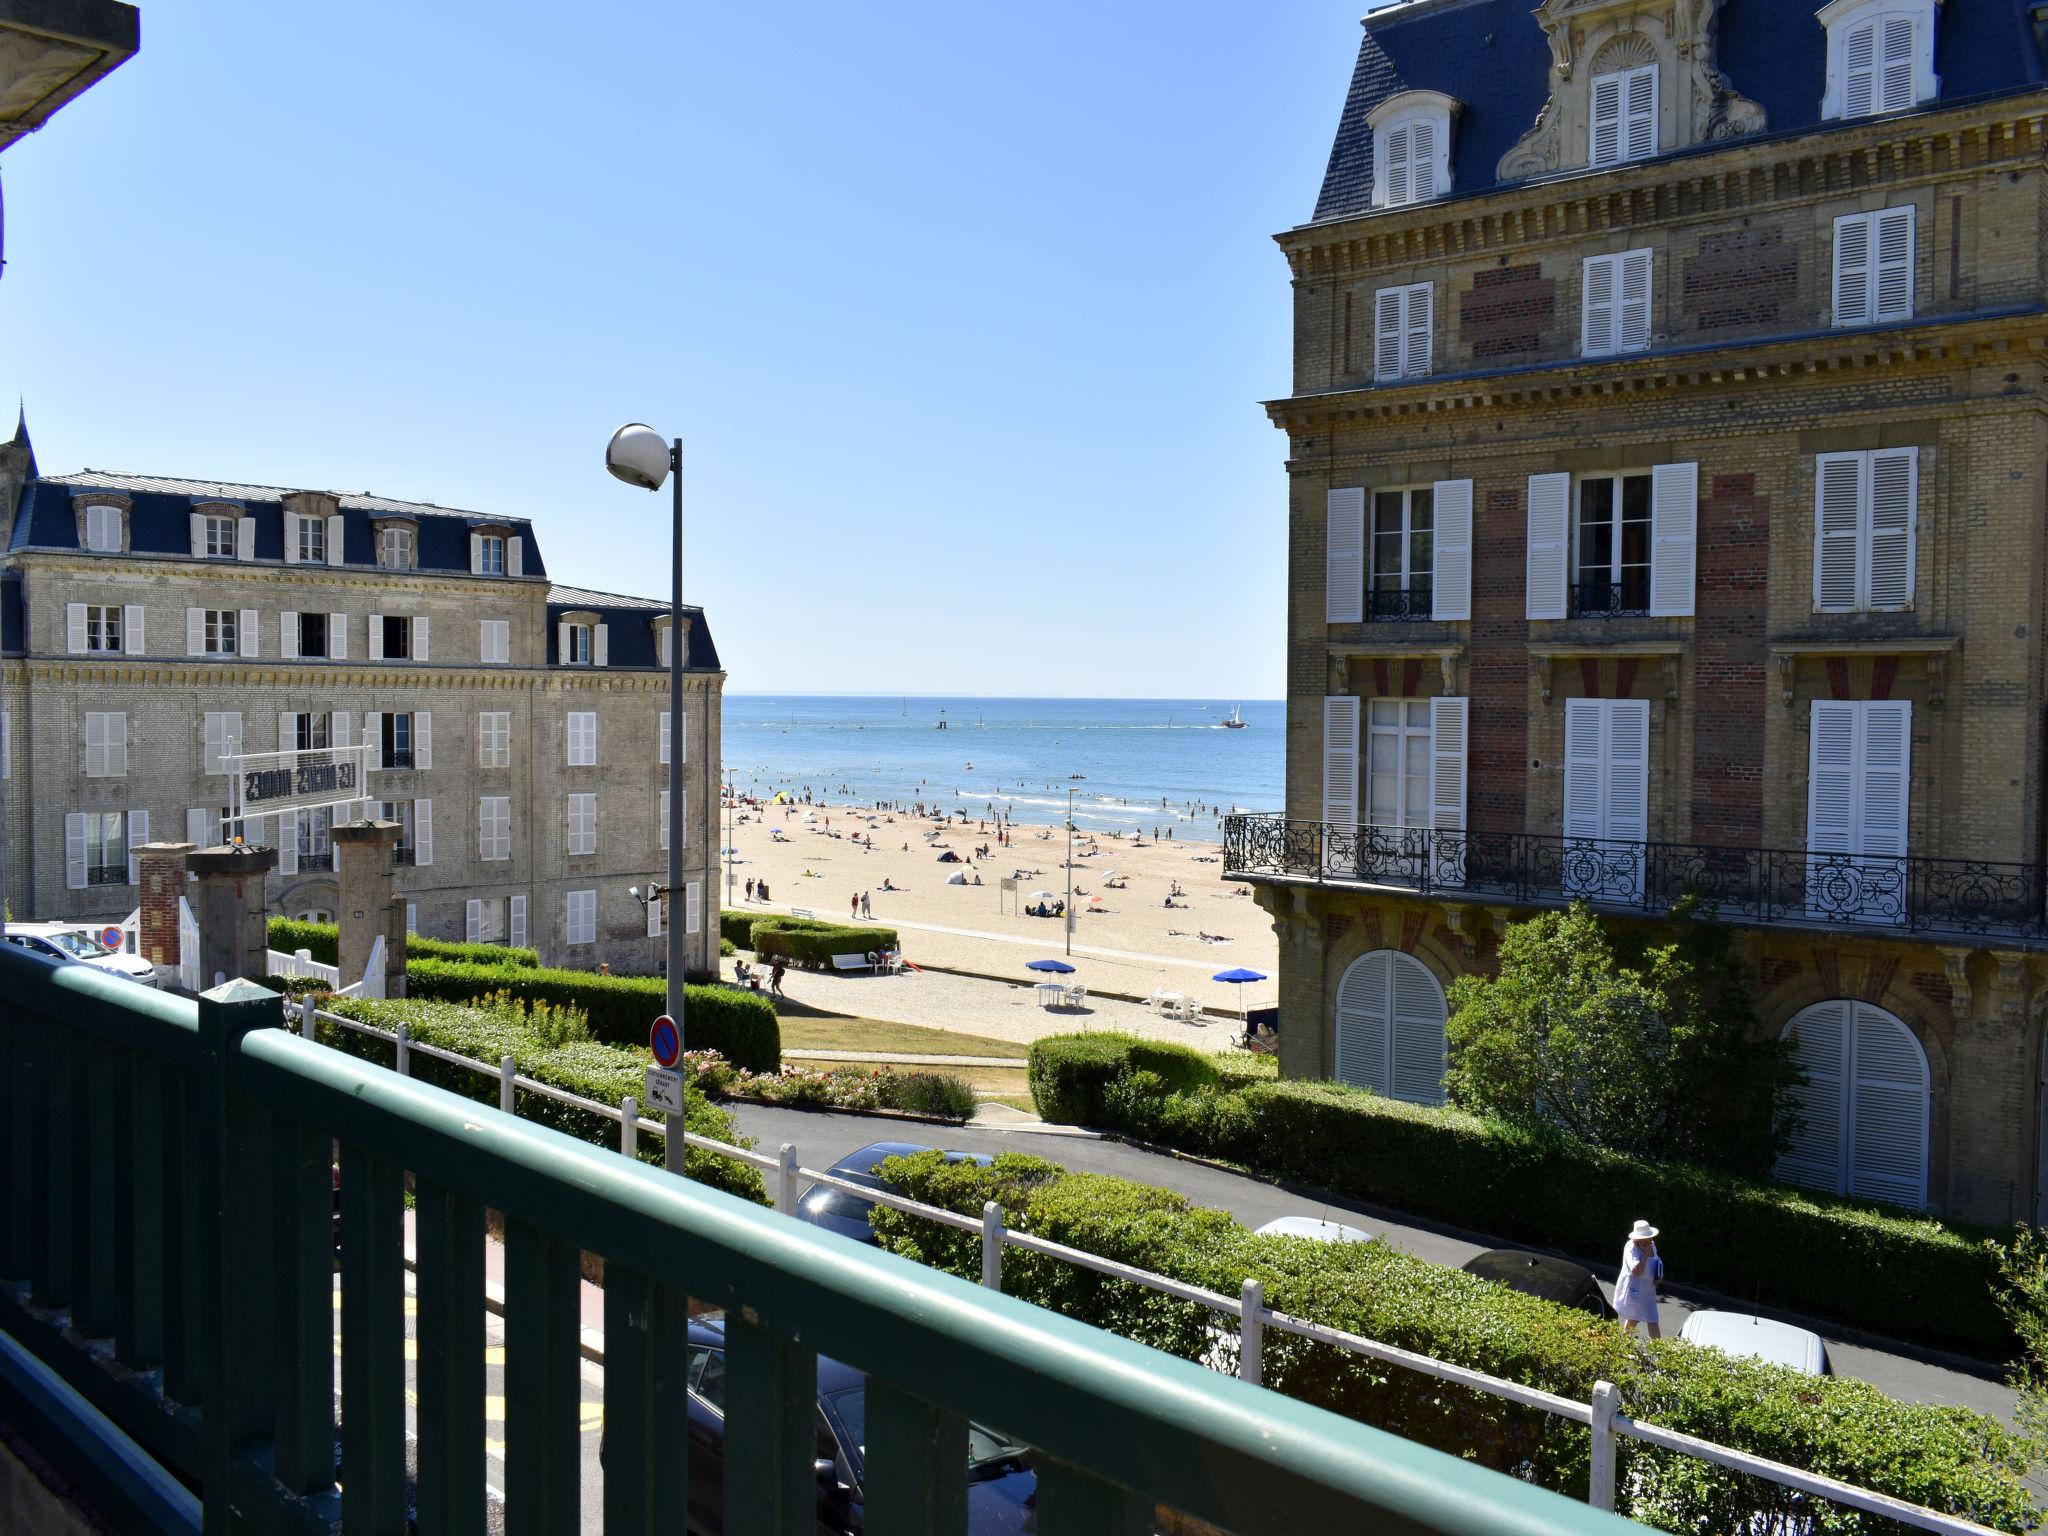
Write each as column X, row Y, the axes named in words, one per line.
column 942, row 721
column 1236, row 720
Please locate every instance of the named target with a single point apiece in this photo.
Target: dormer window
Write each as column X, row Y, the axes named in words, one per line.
column 495, row 552
column 1880, row 56
column 395, row 546
column 311, row 534
column 582, row 640
column 1624, row 116
column 103, row 529
column 1411, row 138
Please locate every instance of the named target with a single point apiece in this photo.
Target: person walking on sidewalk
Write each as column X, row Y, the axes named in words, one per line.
column 1635, row 1289
column 775, row 977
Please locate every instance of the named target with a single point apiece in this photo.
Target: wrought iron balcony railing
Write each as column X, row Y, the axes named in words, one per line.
column 1971, row 897
column 1416, row 601
column 398, row 757
column 316, row 858
column 1602, row 597
column 404, row 856
column 107, row 874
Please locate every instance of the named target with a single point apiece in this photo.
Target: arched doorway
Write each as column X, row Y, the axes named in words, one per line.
column 1390, row 1027
column 1865, row 1104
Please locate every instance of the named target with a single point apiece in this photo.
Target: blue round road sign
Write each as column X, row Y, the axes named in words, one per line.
column 665, row 1041
column 111, row 937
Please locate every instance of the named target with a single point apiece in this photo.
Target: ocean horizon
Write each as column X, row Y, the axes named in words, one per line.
column 1131, row 763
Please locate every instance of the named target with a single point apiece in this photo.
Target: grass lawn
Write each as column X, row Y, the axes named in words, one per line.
column 830, row 1032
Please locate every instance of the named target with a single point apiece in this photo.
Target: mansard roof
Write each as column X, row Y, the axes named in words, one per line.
column 629, row 625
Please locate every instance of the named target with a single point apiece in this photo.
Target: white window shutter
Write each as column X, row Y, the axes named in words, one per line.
column 600, row 645
column 74, row 627
column 251, row 643
column 1895, row 82
column 693, row 901
column 199, row 827
column 518, row 905
column 422, row 740
column 1887, row 749
column 683, row 739
column 336, row 552
column 245, row 538
column 654, row 917
column 1639, row 104
column 287, row 731
column 376, row 629
column 1894, row 242
column 1852, row 269
column 1838, row 500
column 195, row 631
column 198, row 522
column 412, row 917
column 1417, row 330
column 373, row 733
column 1606, row 142
column 1421, row 160
column 515, row 556
column 1893, row 500
column 1585, row 757
column 1364, row 1031
column 1859, row 60
column 6, row 745
column 1340, row 761
column 562, row 652
column 664, row 717
column 1674, row 538
column 131, row 630
column 1447, row 725
column 337, row 636
column 661, row 832
column 291, row 538
column 74, row 851
column 288, row 842
column 1820, row 1047
column 117, row 745
column 476, row 554
column 342, row 730
column 1344, row 594
column 1634, row 310
column 1418, row 1045
column 1451, row 585
column 1549, row 564
column 1888, row 1097
column 473, row 921
column 1597, row 309
column 288, row 636
column 138, row 834
column 1400, row 163
column 419, row 638
column 423, row 832
column 1389, row 311
column 1627, row 799
column 95, row 744
column 1831, row 780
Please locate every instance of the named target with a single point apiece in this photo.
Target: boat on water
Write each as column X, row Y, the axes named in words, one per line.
column 1236, row 720
column 942, row 721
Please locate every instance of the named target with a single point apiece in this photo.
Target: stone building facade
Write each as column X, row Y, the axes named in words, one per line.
column 1666, row 514
column 517, row 729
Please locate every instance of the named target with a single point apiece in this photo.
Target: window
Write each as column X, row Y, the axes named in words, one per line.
column 1411, row 145
column 221, row 631
column 1859, row 783
column 400, row 811
column 416, row 831
column 1415, row 783
column 1874, row 267
column 1403, row 523
column 576, row 645
column 494, row 828
column 1390, row 1027
column 1864, row 1104
column 219, row 536
column 103, row 529
column 395, row 547
column 222, row 734
column 582, row 739
column 1624, row 118
column 486, row 920
column 205, row 825
column 106, row 745
column 1402, row 331
column 102, row 627
column 1616, row 311
column 1398, row 763
column 395, row 739
column 395, row 633
column 96, row 849
column 316, row 851
column 582, row 917
column 1611, row 554
column 1880, row 56
column 494, row 739
column 1626, row 543
column 490, row 554
column 311, row 637
column 310, row 539
column 494, row 641
column 307, row 733
column 1865, row 508
column 583, row 823
column 1606, row 797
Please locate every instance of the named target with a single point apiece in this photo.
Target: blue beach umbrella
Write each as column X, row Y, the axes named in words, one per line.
column 1060, row 967
column 1238, row 978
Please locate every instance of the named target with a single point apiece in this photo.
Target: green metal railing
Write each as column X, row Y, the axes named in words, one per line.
column 168, row 1252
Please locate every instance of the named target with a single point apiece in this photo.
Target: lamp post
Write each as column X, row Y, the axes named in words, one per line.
column 638, row 455
column 728, row 837
column 1070, row 871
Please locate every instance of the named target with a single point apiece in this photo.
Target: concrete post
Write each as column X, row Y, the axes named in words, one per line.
column 163, row 882
column 369, row 912
column 234, row 930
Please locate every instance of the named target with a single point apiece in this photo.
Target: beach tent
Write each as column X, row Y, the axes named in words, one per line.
column 949, row 857
column 781, row 798
column 958, row 877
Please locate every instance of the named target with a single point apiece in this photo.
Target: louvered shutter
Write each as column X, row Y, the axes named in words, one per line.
column 1894, row 243
column 1633, row 313
column 250, row 642
column 1893, row 501
column 1674, row 538
column 117, row 745
column 1859, row 59
column 1388, row 307
column 654, row 917
column 288, row 636
column 1886, row 771
column 412, row 917
column 662, row 751
column 1820, row 1043
column 1422, row 161
column 1400, row 166
column 1417, row 1007
column 1451, row 583
column 74, row 627
column 373, row 736
column 74, row 851
column 1606, row 143
column 245, row 538
column 423, row 740
column 1344, row 557
column 1639, row 106
column 476, row 554
column 199, row 827
column 287, row 731
column 1418, row 330
column 337, row 636
column 1364, row 1021
column 1895, row 80
column 95, row 745
column 423, row 832
column 132, row 640
column 1549, row 551
column 1852, row 270
column 1626, row 803
column 1838, row 501
column 661, row 832
column 419, row 638
column 291, row 538
column 337, row 551
column 1448, row 734
column 375, row 625
column 288, row 842
column 473, row 921
column 1596, row 325
column 1887, row 1110
column 195, row 631
column 518, row 922
column 515, row 556
column 600, row 645
column 562, row 650
column 1584, row 764
column 1340, row 763
column 138, row 834
column 1831, row 778
column 693, row 902
column 198, row 524
column 342, row 732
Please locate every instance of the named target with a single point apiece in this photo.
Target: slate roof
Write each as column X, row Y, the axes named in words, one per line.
column 1492, row 56
column 629, row 630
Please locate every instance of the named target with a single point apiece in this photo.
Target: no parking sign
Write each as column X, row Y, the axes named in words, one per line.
column 111, row 937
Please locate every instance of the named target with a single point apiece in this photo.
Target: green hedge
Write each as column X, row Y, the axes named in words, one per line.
column 739, row 926
column 805, row 940
column 1892, row 1273
column 323, row 940
column 1069, row 1074
column 596, row 1071
column 1948, row 1458
column 740, row 1026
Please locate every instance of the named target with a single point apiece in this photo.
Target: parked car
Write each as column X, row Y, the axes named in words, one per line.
column 842, row 1211
column 1001, row 1486
column 1539, row 1274
column 1315, row 1229
column 1759, row 1338
column 56, row 942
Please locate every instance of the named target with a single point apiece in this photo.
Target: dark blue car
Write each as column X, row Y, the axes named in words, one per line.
column 1001, row 1486
column 841, row 1211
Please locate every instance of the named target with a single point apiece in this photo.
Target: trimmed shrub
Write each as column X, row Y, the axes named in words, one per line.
column 1947, row 1458
column 1069, row 1074
column 740, row 1026
column 323, row 941
column 726, row 948
column 1890, row 1272
column 738, row 926
column 812, row 942
column 594, row 1070
column 932, row 1093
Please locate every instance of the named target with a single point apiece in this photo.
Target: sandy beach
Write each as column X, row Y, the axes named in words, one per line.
column 1126, row 939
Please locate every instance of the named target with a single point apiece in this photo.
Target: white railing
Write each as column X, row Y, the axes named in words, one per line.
column 188, row 946
column 1601, row 1416
column 301, row 963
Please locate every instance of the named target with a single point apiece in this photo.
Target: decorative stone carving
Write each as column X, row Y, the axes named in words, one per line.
column 1956, row 962
column 2009, row 994
column 1458, row 919
column 1696, row 101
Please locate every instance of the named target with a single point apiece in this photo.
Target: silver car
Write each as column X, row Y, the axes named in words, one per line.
column 56, row 942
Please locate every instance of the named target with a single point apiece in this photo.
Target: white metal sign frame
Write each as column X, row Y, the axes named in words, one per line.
column 263, row 784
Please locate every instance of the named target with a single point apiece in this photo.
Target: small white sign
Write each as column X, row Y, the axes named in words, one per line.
column 665, row 1090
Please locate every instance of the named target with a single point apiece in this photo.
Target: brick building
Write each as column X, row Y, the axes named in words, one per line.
column 1666, row 454
column 518, row 730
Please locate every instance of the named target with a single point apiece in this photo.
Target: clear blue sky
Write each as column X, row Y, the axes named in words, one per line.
column 964, row 311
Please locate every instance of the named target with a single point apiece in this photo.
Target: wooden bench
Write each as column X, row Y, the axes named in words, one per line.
column 853, row 962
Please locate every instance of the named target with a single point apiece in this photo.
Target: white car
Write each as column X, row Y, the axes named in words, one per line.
column 1311, row 1227
column 54, row 941
column 1759, row 1338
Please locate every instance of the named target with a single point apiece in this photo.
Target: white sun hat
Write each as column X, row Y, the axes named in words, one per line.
column 1642, row 1232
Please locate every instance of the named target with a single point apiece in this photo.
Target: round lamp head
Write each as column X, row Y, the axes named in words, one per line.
column 638, row 455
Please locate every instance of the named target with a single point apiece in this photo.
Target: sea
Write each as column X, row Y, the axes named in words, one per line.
column 1131, row 763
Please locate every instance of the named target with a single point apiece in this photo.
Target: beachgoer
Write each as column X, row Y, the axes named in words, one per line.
column 1635, row 1289
column 775, row 978
column 855, row 913
column 750, row 888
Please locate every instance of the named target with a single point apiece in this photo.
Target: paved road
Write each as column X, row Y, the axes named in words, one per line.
column 822, row 1139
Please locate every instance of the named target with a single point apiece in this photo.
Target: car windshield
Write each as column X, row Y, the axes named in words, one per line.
column 986, row 1450
column 78, row 944
column 825, row 1200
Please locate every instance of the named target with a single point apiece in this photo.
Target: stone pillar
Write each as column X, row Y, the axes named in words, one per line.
column 163, row 883
column 369, row 910
column 234, row 929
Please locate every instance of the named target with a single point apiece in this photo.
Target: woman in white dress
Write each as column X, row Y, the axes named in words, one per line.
column 1635, row 1289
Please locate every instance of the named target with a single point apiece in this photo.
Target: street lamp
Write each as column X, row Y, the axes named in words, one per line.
column 638, row 455
column 1070, row 871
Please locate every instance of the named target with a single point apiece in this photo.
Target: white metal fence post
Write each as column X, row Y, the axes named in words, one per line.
column 672, row 1144
column 404, row 1053
column 307, row 1026
column 1600, row 1484
column 507, row 1070
column 629, row 1126
column 992, row 1245
column 785, row 1183
column 1251, row 1332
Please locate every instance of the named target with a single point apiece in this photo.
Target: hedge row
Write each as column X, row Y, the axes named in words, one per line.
column 806, row 940
column 740, row 1026
column 1948, row 1458
column 1892, row 1273
column 323, row 941
column 596, row 1071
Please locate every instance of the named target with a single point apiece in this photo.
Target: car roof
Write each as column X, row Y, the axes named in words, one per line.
column 868, row 1158
column 1760, row 1338
column 1313, row 1227
column 43, row 930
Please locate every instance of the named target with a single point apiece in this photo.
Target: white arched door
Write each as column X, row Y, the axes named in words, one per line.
column 1390, row 1027
column 1865, row 1104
